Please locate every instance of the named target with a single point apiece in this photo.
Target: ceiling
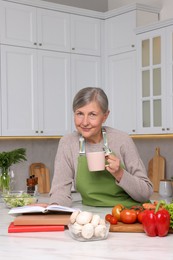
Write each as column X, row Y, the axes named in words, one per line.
column 105, row 5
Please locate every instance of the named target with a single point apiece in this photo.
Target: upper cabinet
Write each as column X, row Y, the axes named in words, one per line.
column 155, row 78
column 85, row 35
column 50, row 51
column 120, row 29
column 33, row 27
column 120, row 65
column 120, row 35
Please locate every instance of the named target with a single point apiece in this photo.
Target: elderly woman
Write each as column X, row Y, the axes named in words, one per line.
column 127, row 184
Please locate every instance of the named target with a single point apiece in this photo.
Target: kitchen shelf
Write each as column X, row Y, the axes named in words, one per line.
column 28, row 137
column 152, row 136
column 140, row 136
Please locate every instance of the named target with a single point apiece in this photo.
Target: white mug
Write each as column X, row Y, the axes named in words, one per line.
column 165, row 188
column 96, row 161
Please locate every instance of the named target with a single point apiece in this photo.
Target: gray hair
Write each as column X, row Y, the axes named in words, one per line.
column 89, row 94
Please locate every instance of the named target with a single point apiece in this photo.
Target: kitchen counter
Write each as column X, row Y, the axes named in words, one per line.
column 59, row 245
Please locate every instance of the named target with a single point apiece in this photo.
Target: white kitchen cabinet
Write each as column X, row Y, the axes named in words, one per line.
column 120, row 64
column 85, row 35
column 153, row 98
column 35, row 86
column 120, row 29
column 85, row 72
column 28, row 26
column 121, row 90
column 120, row 35
column 169, row 78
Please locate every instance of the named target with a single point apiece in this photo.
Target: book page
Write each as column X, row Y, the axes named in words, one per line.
column 38, row 209
column 27, row 209
column 55, row 207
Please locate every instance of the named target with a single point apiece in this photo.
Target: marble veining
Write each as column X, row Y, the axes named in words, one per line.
column 59, row 245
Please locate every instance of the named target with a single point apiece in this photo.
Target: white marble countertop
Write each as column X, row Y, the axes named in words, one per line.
column 59, row 245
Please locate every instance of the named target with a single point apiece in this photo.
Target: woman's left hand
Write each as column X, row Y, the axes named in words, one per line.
column 113, row 166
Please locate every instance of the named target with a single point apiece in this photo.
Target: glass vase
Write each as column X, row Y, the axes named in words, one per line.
column 4, row 180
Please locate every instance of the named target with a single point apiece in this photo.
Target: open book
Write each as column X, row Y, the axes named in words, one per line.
column 39, row 209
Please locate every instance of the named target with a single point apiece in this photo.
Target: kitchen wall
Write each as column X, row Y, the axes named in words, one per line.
column 166, row 6
column 36, row 151
column 146, row 148
column 45, row 150
column 105, row 5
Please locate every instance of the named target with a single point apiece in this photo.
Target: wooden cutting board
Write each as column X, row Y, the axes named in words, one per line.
column 129, row 228
column 121, row 227
column 43, row 175
column 156, row 169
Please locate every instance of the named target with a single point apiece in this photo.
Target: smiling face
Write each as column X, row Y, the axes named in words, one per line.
column 88, row 121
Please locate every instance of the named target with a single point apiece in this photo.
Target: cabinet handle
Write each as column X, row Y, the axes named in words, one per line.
column 132, row 45
column 35, row 43
column 133, row 130
column 41, row 131
column 36, row 131
column 73, row 49
column 167, row 128
column 163, row 129
column 40, row 44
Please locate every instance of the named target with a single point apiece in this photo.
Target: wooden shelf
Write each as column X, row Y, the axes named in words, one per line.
column 140, row 136
column 28, row 137
column 152, row 136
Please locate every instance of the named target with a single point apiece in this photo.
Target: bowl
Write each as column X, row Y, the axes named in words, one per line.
column 18, row 199
column 100, row 232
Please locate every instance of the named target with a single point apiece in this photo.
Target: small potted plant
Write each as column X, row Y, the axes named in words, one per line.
column 6, row 160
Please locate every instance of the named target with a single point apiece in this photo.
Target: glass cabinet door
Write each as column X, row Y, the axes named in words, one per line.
column 151, row 91
column 151, row 82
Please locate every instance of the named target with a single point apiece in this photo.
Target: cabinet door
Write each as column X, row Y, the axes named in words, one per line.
column 151, row 78
column 54, row 93
column 85, row 72
column 85, row 35
column 121, row 89
column 18, row 24
column 19, row 91
column 53, row 30
column 120, row 35
column 169, row 78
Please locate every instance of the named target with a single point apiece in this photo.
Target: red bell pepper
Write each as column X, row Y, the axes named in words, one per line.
column 156, row 223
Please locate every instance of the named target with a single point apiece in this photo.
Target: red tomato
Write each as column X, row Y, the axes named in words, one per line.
column 113, row 220
column 117, row 210
column 128, row 216
column 140, row 216
column 137, row 208
column 108, row 217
